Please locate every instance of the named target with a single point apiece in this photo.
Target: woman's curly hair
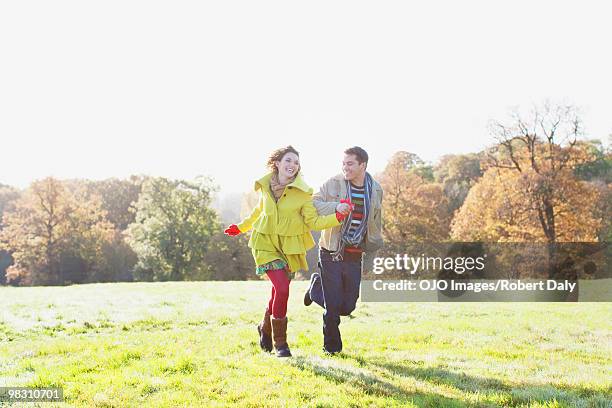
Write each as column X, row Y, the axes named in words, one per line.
column 278, row 155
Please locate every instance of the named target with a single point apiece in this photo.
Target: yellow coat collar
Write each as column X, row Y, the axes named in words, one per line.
column 298, row 183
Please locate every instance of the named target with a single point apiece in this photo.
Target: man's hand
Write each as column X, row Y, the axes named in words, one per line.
column 232, row 230
column 343, row 209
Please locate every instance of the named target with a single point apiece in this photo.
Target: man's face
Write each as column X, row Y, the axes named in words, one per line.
column 351, row 167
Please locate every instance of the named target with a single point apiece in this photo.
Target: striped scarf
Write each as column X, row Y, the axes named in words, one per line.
column 354, row 237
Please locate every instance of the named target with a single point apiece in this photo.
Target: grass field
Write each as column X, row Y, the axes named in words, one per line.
column 195, row 344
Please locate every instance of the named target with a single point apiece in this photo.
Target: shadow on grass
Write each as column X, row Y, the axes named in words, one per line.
column 371, row 385
column 516, row 394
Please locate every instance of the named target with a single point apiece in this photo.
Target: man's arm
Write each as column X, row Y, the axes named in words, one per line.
column 323, row 201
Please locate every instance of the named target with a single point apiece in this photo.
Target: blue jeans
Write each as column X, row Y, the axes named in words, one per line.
column 337, row 291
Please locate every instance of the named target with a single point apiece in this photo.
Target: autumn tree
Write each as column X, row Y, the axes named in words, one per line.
column 544, row 149
column 499, row 208
column 116, row 260
column 415, row 209
column 48, row 224
column 529, row 192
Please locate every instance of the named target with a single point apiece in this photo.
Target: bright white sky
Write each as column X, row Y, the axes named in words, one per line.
column 177, row 89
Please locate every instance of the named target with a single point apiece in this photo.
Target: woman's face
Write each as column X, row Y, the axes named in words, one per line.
column 289, row 165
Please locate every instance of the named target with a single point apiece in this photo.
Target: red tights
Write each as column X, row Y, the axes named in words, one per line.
column 280, row 293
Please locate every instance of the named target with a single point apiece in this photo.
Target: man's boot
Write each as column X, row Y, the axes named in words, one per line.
column 265, row 332
column 279, row 333
column 307, row 299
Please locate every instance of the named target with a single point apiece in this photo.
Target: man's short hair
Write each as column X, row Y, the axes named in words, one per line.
column 360, row 154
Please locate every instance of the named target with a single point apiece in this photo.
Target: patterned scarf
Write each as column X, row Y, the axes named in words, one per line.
column 278, row 188
column 354, row 237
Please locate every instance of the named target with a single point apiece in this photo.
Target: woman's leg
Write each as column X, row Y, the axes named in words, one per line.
column 280, row 281
column 280, row 289
column 271, row 301
column 265, row 330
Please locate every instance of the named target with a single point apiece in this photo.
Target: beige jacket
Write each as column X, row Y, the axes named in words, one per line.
column 325, row 201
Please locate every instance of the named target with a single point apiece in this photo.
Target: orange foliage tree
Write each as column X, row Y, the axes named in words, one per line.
column 415, row 209
column 543, row 150
column 48, row 223
column 504, row 206
column 529, row 192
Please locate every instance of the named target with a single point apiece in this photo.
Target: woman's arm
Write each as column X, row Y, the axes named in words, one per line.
column 247, row 223
column 315, row 221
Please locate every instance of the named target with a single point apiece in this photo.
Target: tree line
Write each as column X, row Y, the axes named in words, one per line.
column 540, row 182
column 142, row 228
column 528, row 187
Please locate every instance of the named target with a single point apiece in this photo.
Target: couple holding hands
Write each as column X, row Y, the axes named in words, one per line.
column 347, row 209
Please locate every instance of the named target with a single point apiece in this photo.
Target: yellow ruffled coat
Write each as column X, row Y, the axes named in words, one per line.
column 281, row 229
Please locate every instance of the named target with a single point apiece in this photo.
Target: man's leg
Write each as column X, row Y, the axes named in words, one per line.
column 331, row 280
column 351, row 279
column 315, row 290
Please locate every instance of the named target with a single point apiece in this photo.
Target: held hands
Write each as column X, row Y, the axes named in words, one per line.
column 343, row 209
column 232, row 230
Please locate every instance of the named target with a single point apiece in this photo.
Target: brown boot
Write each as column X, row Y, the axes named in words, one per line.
column 265, row 332
column 279, row 333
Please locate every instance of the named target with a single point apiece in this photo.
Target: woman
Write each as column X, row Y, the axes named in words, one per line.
column 281, row 224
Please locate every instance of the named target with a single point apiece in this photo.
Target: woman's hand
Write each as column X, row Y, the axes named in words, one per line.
column 232, row 230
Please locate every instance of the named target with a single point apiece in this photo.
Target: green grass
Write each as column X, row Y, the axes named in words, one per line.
column 195, row 344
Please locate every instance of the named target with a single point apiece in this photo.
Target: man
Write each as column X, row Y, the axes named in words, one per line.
column 341, row 248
